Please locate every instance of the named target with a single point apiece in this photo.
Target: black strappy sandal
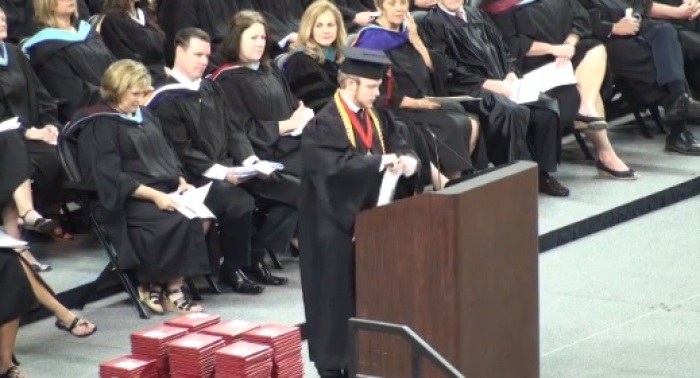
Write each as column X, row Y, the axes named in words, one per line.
column 41, row 224
column 181, row 305
column 12, row 372
column 36, row 265
column 78, row 321
column 592, row 123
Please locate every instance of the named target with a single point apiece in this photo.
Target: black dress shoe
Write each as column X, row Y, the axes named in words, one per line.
column 604, row 171
column 260, row 273
column 683, row 108
column 683, row 143
column 240, row 283
column 550, row 185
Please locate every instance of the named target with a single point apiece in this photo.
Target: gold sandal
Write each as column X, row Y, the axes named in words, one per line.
column 180, row 304
column 151, row 296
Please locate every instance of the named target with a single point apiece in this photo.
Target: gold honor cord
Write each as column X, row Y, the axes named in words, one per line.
column 348, row 124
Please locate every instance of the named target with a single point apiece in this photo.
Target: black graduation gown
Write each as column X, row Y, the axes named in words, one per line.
column 15, row 167
column 549, row 21
column 70, row 69
column 212, row 16
column 448, row 129
column 116, row 155
column 259, row 99
column 349, row 9
column 689, row 32
column 338, row 182
column 23, row 96
column 474, row 51
column 311, row 82
column 631, row 59
column 201, row 127
column 16, row 293
column 127, row 39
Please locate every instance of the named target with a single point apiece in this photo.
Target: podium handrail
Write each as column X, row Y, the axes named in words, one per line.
column 419, row 348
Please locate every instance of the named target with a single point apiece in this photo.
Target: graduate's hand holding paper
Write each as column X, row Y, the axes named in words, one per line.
column 184, row 186
column 498, row 86
column 563, row 53
column 233, row 179
column 164, row 202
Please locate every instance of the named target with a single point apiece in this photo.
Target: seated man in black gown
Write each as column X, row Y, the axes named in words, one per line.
column 345, row 149
column 647, row 56
column 198, row 124
column 481, row 66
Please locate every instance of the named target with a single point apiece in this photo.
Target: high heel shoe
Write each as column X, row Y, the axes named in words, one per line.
column 40, row 224
column 36, row 265
column 592, row 123
column 604, row 171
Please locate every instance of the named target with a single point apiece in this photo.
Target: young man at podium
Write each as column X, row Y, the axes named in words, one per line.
column 346, row 152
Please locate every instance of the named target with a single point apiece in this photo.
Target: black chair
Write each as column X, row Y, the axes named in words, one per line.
column 86, row 196
column 637, row 100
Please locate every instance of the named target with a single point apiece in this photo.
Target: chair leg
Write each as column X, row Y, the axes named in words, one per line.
column 582, row 144
column 212, row 285
column 194, row 292
column 656, row 116
column 275, row 261
column 123, row 277
column 642, row 125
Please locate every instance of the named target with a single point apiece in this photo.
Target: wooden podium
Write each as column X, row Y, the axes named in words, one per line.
column 459, row 267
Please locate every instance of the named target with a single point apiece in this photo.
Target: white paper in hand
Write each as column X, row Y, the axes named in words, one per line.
column 386, row 191
column 191, row 203
column 264, row 167
column 10, row 124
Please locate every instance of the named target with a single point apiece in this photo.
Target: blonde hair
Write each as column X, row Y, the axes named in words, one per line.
column 305, row 39
column 121, row 76
column 43, row 14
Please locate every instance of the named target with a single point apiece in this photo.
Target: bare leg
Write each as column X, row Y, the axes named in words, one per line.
column 589, row 75
column 8, row 337
column 604, row 149
column 9, row 219
column 438, row 179
column 474, row 135
column 23, row 201
column 64, row 315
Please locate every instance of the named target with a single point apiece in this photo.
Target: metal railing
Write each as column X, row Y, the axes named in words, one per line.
column 419, row 348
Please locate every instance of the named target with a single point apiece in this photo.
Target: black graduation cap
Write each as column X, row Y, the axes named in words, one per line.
column 365, row 63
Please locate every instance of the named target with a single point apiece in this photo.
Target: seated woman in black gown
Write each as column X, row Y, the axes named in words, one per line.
column 415, row 74
column 123, row 153
column 129, row 32
column 258, row 94
column 67, row 55
column 23, row 96
column 312, row 67
column 545, row 31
